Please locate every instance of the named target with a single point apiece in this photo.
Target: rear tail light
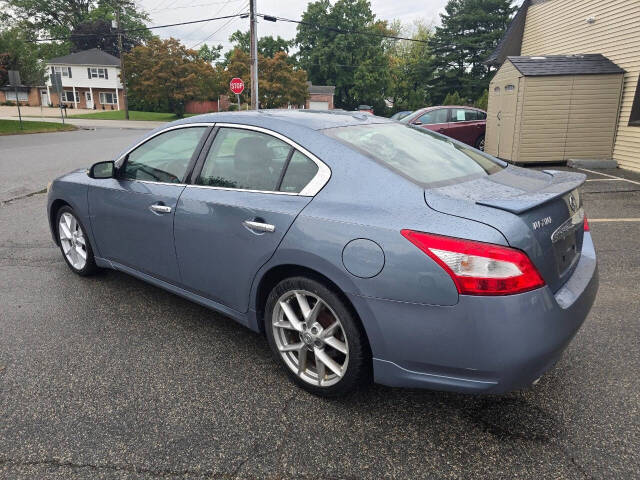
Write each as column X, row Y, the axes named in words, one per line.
column 479, row 268
column 586, row 224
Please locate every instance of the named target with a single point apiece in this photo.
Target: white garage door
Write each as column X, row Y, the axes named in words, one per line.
column 319, row 105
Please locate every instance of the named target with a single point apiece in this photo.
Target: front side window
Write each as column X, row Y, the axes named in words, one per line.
column 244, row 159
column 164, row 158
column 434, row 116
column 416, row 153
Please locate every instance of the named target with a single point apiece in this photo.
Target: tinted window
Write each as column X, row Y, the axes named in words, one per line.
column 463, row 115
column 299, row 173
column 434, row 116
column 164, row 158
column 416, row 153
column 244, row 159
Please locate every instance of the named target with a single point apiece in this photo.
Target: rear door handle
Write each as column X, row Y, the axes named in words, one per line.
column 160, row 208
column 259, row 226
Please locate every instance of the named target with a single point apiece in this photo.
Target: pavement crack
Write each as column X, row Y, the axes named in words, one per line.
column 22, row 197
column 160, row 473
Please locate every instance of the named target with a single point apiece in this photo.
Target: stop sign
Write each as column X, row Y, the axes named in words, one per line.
column 236, row 85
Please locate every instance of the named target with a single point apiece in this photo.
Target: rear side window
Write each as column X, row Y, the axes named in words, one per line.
column 416, row 153
column 244, row 159
column 164, row 158
column 300, row 172
column 434, row 116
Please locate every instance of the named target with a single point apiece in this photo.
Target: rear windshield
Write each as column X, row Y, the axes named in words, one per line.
column 418, row 154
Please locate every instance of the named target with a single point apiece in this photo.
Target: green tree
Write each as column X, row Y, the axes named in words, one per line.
column 357, row 64
column 453, row 99
column 19, row 52
column 483, row 101
column 60, row 18
column 411, row 67
column 209, row 54
column 166, row 73
column 267, row 45
column 470, row 30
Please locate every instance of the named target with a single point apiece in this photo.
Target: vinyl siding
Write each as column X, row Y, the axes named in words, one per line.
column 557, row 27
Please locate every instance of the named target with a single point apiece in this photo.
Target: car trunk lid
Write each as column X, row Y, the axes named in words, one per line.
column 539, row 212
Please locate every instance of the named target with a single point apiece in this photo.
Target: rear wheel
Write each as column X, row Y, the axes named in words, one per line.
column 480, row 143
column 316, row 338
column 74, row 243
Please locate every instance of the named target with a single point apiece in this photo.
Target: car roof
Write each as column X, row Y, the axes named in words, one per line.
column 312, row 119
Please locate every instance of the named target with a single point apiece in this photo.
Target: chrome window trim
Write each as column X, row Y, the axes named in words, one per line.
column 120, row 160
column 316, row 184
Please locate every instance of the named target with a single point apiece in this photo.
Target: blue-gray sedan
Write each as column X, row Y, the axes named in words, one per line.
column 364, row 249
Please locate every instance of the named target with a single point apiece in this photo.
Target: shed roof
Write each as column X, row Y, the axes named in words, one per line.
column 93, row 56
column 321, row 89
column 588, row 64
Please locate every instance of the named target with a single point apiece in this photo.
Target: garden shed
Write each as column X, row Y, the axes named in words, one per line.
column 554, row 108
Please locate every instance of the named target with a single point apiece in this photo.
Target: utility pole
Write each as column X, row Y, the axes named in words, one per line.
column 254, row 53
column 123, row 77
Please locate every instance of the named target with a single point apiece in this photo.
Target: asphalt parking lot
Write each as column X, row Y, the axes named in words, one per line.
column 108, row 377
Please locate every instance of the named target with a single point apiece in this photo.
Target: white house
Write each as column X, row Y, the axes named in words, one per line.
column 90, row 79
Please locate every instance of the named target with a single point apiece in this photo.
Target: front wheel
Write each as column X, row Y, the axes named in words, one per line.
column 316, row 338
column 74, row 243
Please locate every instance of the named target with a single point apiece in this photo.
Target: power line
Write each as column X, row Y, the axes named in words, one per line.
column 137, row 29
column 193, row 6
column 271, row 18
column 239, row 13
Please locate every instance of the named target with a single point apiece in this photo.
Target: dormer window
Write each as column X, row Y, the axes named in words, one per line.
column 97, row 73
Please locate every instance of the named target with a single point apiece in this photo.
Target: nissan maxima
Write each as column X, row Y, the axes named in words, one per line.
column 364, row 249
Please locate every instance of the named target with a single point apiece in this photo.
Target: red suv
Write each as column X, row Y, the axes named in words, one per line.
column 466, row 124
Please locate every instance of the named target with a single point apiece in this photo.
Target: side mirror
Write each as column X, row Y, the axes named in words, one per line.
column 417, row 122
column 102, row 170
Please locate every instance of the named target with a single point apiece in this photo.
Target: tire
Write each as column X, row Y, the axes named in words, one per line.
column 73, row 239
column 322, row 347
column 480, row 143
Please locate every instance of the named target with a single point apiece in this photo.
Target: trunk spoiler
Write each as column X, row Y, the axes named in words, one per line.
column 561, row 184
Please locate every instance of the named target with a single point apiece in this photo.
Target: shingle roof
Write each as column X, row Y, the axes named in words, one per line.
column 511, row 41
column 321, row 89
column 93, row 56
column 588, row 64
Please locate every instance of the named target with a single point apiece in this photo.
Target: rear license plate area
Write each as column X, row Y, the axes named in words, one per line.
column 566, row 252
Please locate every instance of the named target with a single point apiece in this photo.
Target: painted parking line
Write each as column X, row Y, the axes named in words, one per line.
column 609, row 176
column 605, row 220
column 606, row 180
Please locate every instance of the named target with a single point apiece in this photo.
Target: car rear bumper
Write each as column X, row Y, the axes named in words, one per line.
column 481, row 344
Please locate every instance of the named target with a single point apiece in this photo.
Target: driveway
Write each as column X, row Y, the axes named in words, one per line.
column 108, row 377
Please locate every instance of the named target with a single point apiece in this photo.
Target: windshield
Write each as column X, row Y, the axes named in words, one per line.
column 420, row 155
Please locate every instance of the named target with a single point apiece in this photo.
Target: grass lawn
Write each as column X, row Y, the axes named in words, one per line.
column 12, row 127
column 133, row 115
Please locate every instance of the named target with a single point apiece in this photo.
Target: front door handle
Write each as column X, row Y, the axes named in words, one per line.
column 160, row 208
column 259, row 226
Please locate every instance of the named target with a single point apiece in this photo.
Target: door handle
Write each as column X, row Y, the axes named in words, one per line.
column 259, row 226
column 160, row 208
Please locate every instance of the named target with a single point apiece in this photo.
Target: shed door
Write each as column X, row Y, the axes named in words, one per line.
column 491, row 134
column 507, row 117
column 319, row 105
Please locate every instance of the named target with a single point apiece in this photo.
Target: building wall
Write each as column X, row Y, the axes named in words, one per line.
column 33, row 97
column 317, row 97
column 80, row 77
column 82, row 99
column 559, row 27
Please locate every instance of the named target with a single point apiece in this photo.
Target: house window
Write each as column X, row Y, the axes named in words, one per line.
column 97, row 73
column 63, row 71
column 509, row 88
column 108, row 98
column 496, row 90
column 67, row 96
column 11, row 96
column 634, row 118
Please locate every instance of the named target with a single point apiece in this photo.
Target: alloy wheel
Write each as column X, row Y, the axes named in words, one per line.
column 72, row 240
column 310, row 338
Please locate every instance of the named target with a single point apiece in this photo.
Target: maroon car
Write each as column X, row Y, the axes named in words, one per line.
column 466, row 124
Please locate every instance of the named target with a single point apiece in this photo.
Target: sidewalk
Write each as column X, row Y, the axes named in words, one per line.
column 53, row 115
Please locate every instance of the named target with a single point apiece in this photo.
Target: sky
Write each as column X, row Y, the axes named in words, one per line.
column 217, row 32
